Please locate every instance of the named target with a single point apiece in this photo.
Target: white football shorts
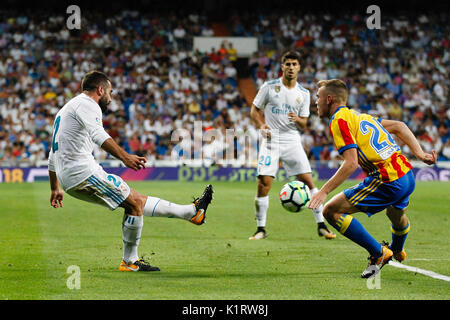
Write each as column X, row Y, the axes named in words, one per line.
column 289, row 151
column 108, row 190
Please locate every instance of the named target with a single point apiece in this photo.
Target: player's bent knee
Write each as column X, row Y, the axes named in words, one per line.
column 134, row 204
column 330, row 213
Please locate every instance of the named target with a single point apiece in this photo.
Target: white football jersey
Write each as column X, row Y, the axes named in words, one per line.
column 77, row 126
column 277, row 101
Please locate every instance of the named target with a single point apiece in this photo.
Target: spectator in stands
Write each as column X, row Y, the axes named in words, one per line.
column 444, row 155
column 158, row 77
column 231, row 53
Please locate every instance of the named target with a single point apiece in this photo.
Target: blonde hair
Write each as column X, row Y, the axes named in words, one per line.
column 337, row 88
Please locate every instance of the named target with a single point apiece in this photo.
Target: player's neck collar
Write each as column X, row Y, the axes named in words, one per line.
column 339, row 108
column 87, row 96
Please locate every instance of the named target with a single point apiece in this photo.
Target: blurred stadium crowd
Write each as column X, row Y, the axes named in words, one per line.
column 161, row 83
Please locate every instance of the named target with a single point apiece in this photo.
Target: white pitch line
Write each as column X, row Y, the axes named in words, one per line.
column 425, row 259
column 421, row 271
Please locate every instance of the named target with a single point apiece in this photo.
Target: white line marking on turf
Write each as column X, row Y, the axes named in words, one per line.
column 421, row 271
column 425, row 259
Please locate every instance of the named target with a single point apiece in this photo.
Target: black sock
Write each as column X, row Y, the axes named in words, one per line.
column 321, row 225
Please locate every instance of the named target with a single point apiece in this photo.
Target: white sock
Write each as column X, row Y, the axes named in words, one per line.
column 156, row 207
column 131, row 234
column 261, row 207
column 317, row 212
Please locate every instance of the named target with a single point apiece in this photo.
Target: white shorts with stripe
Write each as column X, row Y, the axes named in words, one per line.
column 108, row 190
column 285, row 149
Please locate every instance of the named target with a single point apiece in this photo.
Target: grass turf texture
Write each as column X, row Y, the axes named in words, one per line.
column 213, row 261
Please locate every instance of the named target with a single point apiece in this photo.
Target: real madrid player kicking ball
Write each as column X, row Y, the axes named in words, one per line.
column 367, row 141
column 279, row 110
column 71, row 166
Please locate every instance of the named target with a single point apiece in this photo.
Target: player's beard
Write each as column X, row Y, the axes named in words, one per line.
column 289, row 76
column 328, row 110
column 322, row 112
column 103, row 103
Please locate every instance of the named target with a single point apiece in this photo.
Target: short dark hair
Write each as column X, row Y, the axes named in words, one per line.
column 93, row 79
column 294, row 55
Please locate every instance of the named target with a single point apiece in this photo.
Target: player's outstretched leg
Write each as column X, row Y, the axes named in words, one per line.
column 201, row 204
column 195, row 212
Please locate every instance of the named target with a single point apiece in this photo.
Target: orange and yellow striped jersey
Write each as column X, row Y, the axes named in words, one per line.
column 378, row 154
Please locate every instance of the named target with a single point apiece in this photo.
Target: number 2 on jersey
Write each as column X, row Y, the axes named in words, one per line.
column 56, row 127
column 374, row 129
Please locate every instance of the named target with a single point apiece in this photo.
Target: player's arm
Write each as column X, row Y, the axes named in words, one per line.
column 90, row 115
column 130, row 160
column 344, row 172
column 299, row 121
column 257, row 116
column 257, row 113
column 401, row 130
column 56, row 194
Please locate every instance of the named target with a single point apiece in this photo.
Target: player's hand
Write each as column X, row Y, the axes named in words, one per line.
column 317, row 199
column 429, row 158
column 135, row 162
column 265, row 131
column 293, row 117
column 56, row 198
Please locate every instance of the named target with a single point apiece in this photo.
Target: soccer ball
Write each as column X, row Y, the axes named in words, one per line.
column 294, row 196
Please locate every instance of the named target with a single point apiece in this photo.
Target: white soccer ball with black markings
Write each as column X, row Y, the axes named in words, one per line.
column 294, row 196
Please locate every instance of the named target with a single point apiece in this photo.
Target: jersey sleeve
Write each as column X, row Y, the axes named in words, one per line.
column 342, row 136
column 261, row 97
column 304, row 109
column 90, row 116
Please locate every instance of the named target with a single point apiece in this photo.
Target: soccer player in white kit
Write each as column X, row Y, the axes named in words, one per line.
column 280, row 109
column 72, row 168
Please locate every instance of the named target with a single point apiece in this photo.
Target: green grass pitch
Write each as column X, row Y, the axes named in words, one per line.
column 215, row 261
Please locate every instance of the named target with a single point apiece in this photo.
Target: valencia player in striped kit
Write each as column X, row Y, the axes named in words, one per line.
column 366, row 141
